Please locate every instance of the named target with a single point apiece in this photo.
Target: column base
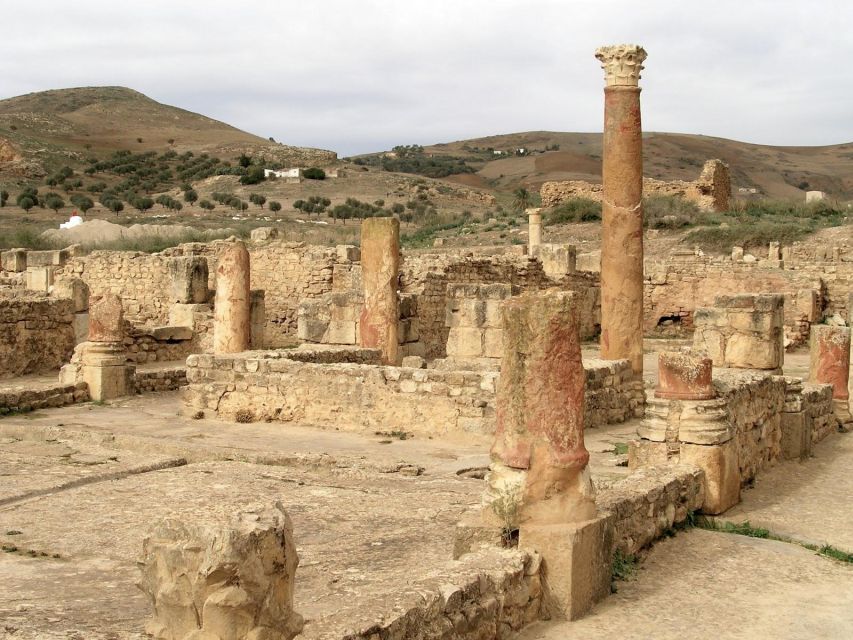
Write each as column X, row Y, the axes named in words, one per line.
column 576, row 560
column 842, row 414
column 106, row 371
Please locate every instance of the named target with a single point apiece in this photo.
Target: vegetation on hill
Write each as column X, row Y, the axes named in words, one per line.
column 412, row 159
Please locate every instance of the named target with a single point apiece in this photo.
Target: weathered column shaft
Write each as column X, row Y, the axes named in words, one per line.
column 830, row 358
column 380, row 266
column 534, row 231
column 232, row 307
column 538, row 450
column 622, row 208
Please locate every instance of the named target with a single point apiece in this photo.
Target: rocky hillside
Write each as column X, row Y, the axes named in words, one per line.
column 41, row 132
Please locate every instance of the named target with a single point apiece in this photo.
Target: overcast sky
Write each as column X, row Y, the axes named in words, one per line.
column 363, row 75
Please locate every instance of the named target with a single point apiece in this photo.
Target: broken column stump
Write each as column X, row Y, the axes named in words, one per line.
column 380, row 264
column 231, row 582
column 830, row 364
column 232, row 305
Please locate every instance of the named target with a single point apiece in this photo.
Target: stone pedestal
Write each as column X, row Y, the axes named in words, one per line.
column 40, row 278
column 622, row 210
column 232, row 307
column 380, row 264
column 684, row 376
column 231, row 581
column 106, row 371
column 576, row 564
column 14, row 260
column 830, row 364
column 534, row 232
column 558, row 260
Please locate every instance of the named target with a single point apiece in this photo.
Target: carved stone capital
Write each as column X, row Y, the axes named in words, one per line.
column 622, row 64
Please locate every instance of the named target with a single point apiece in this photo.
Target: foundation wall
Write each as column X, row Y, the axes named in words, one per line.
column 273, row 386
column 36, row 333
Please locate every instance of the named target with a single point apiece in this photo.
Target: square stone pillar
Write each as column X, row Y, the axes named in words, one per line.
column 14, row 260
column 380, row 263
column 40, row 278
column 189, row 276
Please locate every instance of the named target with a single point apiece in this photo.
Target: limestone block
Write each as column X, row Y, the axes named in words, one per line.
column 576, row 564
column 39, row 278
column 796, row 436
column 105, row 370
column 558, row 260
column 14, row 260
column 722, row 473
column 171, row 333
column 76, row 290
column 341, row 332
column 645, row 453
column 414, row 362
column 81, row 327
column 261, row 234
column 465, row 312
column 183, row 315
column 348, row 253
column 51, row 258
column 493, row 343
column 737, row 254
column 232, row 581
column 189, row 276
column 465, row 342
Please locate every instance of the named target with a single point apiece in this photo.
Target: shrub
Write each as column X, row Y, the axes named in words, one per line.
column 190, row 196
column 669, row 212
column 574, row 210
column 257, row 199
column 275, row 206
column 314, row 173
column 4, row 196
column 207, row 205
column 26, row 203
column 82, row 202
column 255, row 175
column 54, row 202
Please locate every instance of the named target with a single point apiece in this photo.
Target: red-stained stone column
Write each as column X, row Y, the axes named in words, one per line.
column 380, row 267
column 622, row 215
column 830, row 364
column 684, row 376
column 538, row 456
column 232, row 306
column 104, row 361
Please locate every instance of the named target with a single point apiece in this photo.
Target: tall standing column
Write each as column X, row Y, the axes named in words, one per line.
column 622, row 215
column 534, row 229
column 380, row 267
column 830, row 364
column 232, row 306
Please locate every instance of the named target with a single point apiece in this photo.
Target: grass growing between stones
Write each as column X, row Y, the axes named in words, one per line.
column 623, row 568
column 746, row 529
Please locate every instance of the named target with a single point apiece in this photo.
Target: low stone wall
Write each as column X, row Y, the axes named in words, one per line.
column 650, row 502
column 272, row 385
column 489, row 594
column 21, row 399
column 36, row 333
column 160, row 380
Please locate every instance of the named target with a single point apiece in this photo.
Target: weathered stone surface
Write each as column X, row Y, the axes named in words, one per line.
column 14, row 260
column 232, row 307
column 557, row 260
column 830, row 358
column 684, row 376
column 257, row 318
column 722, row 476
column 262, row 234
column 40, row 278
column 622, row 210
column 232, row 581
column 76, row 290
column 189, row 276
column 106, row 319
column 538, row 456
column 742, row 331
column 105, row 370
column 380, row 263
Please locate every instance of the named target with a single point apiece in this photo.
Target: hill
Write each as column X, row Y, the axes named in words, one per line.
column 41, row 132
column 776, row 172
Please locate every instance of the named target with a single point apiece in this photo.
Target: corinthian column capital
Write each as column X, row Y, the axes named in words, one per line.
column 622, row 64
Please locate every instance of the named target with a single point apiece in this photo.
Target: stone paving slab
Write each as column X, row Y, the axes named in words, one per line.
column 32, row 466
column 702, row 585
column 807, row 501
column 359, row 538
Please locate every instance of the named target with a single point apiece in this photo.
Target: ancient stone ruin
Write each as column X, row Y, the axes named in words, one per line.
column 264, row 440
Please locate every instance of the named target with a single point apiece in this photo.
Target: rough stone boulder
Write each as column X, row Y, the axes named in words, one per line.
column 227, row 581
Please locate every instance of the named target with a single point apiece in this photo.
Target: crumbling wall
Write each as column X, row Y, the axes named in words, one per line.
column 710, row 191
column 36, row 333
column 272, row 385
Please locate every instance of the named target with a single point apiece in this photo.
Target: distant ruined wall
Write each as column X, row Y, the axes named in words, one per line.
column 710, row 191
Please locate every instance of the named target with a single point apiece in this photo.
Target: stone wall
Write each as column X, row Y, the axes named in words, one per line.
column 650, row 502
column 36, row 333
column 675, row 289
column 160, row 380
column 271, row 385
column 23, row 398
column 711, row 191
